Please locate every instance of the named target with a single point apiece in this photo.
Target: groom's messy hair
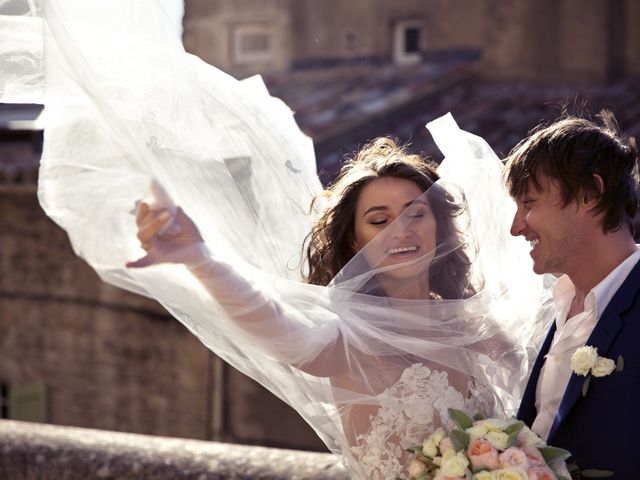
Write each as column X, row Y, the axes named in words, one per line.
column 573, row 152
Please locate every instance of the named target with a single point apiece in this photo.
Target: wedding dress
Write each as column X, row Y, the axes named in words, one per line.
column 126, row 109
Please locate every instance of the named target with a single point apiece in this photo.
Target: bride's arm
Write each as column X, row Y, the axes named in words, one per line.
column 176, row 239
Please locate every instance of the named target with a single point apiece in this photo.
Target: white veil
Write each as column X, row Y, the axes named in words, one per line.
column 126, row 106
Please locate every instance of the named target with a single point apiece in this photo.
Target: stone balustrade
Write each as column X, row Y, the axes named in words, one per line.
column 30, row 451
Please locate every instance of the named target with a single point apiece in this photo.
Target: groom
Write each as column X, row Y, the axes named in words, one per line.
column 575, row 188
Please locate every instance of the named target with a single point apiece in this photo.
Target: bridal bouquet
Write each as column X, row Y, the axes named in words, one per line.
column 486, row 449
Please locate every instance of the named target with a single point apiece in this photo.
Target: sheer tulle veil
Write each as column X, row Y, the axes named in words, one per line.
column 126, row 107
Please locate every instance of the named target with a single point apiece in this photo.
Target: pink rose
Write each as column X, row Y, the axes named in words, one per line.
column 541, row 473
column 445, row 445
column 416, row 468
column 535, row 457
column 514, row 457
column 482, row 454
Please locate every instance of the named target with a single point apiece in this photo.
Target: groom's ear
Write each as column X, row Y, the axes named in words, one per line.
column 591, row 198
column 599, row 184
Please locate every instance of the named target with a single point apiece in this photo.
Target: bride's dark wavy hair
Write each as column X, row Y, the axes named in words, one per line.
column 330, row 244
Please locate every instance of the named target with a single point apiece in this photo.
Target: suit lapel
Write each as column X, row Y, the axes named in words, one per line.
column 601, row 338
column 527, row 410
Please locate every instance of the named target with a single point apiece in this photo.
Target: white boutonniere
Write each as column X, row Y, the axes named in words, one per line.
column 586, row 362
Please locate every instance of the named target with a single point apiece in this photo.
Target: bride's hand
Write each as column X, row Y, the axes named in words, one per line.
column 166, row 238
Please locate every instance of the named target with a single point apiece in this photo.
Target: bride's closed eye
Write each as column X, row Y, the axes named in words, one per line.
column 416, row 212
column 380, row 221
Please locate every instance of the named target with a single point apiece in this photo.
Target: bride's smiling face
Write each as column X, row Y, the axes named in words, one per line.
column 393, row 211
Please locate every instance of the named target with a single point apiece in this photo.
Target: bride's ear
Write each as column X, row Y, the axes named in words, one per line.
column 355, row 247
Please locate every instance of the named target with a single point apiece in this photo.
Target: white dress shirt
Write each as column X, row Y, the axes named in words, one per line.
column 570, row 335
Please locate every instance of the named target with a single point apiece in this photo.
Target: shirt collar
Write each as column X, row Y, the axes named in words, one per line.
column 599, row 296
column 606, row 289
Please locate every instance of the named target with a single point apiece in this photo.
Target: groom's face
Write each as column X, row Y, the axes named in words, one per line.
column 556, row 231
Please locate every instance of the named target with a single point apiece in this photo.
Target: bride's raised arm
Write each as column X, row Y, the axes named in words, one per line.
column 174, row 238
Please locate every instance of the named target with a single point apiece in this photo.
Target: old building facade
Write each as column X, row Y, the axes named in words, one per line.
column 546, row 41
column 252, row 36
column 75, row 351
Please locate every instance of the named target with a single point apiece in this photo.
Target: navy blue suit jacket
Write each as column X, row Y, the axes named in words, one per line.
column 601, row 429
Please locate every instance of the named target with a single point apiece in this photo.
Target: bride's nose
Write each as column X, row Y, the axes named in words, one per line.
column 401, row 228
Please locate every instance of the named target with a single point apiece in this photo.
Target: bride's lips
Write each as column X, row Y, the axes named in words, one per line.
column 402, row 252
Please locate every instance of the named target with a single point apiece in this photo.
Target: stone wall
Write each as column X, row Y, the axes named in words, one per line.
column 549, row 41
column 34, row 452
column 632, row 35
column 213, row 28
column 109, row 359
column 308, row 32
column 546, row 41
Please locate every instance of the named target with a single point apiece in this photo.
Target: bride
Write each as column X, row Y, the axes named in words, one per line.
column 410, row 301
column 385, row 213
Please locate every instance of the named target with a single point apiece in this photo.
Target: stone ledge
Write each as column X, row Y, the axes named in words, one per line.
column 30, row 451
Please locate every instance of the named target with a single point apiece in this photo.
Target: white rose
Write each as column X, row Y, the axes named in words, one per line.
column 454, row 465
column 513, row 473
column 416, row 468
column 498, row 439
column 559, row 467
column 583, row 360
column 603, row 367
column 438, row 435
column 429, row 448
column 478, row 430
column 448, row 454
column 497, row 424
column 430, row 445
column 528, row 438
column 484, row 475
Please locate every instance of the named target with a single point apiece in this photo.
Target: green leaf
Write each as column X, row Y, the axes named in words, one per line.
column 512, row 441
column 478, row 416
column 514, row 428
column 459, row 440
column 620, row 364
column 585, row 385
column 592, row 473
column 461, row 419
column 415, row 449
column 552, row 454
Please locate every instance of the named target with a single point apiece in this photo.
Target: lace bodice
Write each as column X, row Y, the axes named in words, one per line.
column 409, row 411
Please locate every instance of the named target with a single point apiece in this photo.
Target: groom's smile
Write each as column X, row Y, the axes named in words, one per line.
column 553, row 229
